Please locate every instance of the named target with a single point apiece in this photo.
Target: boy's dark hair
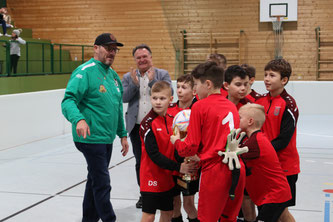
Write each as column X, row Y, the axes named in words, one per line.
column 141, row 46
column 186, row 78
column 160, row 86
column 250, row 70
column 209, row 71
column 218, row 58
column 281, row 66
column 233, row 72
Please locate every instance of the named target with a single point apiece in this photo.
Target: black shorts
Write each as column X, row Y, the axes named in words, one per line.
column 193, row 188
column 157, row 201
column 271, row 212
column 292, row 179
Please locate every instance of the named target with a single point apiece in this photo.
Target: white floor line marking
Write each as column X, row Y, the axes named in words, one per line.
column 311, row 161
column 329, row 163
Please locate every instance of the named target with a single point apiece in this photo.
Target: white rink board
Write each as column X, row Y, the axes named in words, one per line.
column 28, row 117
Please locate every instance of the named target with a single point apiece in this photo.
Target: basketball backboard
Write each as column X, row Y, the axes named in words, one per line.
column 285, row 9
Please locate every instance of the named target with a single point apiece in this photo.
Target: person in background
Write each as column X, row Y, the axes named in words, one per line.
column 266, row 183
column 6, row 17
column 15, row 49
column 280, row 126
column 186, row 98
column 3, row 23
column 252, row 95
column 221, row 61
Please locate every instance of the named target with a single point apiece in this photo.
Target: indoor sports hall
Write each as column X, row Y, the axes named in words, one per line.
column 43, row 175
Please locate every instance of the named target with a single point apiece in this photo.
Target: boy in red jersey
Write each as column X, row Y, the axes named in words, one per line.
column 158, row 160
column 280, row 125
column 186, row 98
column 236, row 83
column 252, row 95
column 266, row 184
column 212, row 119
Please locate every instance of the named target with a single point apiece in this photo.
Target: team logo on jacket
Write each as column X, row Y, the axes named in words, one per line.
column 116, row 82
column 102, row 89
column 277, row 110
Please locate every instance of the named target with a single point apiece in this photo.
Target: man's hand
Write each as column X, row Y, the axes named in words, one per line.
column 134, row 77
column 82, row 129
column 176, row 135
column 151, row 73
column 124, row 145
column 233, row 149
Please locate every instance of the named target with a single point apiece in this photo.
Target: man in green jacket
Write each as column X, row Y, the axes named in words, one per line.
column 93, row 104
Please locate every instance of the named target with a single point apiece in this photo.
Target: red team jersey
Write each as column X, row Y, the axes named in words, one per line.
column 242, row 102
column 253, row 96
column 216, row 116
column 266, row 182
column 173, row 110
column 280, row 128
column 224, row 92
column 157, row 159
column 174, row 107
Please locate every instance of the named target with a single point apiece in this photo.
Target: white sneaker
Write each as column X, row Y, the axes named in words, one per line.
column 1, row 34
column 7, row 35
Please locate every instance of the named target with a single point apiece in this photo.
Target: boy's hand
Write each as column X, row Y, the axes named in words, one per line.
column 188, row 167
column 194, row 158
column 176, row 135
column 233, row 149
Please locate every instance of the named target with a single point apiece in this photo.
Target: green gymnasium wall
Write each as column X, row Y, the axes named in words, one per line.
column 24, row 84
column 70, row 59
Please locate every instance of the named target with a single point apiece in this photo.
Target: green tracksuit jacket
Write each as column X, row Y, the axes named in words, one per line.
column 94, row 93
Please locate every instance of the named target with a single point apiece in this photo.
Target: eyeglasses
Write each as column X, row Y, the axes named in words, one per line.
column 109, row 48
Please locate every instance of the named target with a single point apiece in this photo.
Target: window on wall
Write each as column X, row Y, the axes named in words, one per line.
column 3, row 3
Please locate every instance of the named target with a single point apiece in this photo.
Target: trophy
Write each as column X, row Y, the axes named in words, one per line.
column 180, row 124
column 184, row 180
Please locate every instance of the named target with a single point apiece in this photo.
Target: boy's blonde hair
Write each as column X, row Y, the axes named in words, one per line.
column 160, row 86
column 255, row 111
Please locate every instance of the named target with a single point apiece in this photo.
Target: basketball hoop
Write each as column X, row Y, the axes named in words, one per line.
column 277, row 24
column 278, row 37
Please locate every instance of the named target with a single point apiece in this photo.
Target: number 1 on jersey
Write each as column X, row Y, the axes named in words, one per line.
column 229, row 119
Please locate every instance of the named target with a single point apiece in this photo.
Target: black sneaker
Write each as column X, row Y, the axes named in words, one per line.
column 139, row 203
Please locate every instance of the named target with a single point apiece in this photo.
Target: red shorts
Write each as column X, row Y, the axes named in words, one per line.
column 214, row 200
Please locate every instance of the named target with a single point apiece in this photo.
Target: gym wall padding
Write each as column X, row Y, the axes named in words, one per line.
column 35, row 116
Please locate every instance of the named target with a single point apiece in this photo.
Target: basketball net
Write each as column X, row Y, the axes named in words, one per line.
column 278, row 37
